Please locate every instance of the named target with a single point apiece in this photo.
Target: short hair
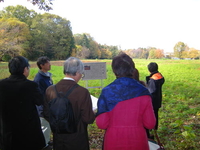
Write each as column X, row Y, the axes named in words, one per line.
column 123, row 65
column 73, row 65
column 152, row 67
column 17, row 64
column 42, row 60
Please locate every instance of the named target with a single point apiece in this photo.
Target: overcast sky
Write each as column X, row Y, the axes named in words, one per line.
column 131, row 23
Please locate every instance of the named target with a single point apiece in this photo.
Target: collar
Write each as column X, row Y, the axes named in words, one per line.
column 67, row 78
column 47, row 74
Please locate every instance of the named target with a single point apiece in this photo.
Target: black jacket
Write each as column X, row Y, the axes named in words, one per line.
column 154, row 85
column 20, row 126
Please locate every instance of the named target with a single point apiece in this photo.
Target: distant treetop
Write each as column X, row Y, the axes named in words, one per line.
column 42, row 4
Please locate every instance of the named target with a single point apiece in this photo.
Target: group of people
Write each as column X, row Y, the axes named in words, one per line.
column 127, row 107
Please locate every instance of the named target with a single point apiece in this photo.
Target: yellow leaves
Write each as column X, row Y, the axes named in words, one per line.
column 12, row 34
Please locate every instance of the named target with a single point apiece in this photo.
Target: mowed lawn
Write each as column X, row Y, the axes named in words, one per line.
column 179, row 124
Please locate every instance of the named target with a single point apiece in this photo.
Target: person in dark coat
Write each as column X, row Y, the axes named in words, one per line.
column 82, row 107
column 43, row 79
column 154, row 85
column 20, row 126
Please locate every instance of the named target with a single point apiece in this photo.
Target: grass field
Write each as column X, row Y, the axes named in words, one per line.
column 179, row 124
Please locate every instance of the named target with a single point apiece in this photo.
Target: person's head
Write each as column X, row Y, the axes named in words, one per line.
column 123, row 66
column 152, row 67
column 43, row 63
column 73, row 67
column 19, row 66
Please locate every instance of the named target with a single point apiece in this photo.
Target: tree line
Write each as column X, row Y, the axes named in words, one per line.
column 182, row 50
column 25, row 32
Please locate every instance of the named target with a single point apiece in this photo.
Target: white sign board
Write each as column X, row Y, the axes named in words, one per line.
column 94, row 70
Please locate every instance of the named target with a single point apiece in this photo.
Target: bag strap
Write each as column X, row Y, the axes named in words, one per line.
column 68, row 92
column 158, row 140
column 71, row 89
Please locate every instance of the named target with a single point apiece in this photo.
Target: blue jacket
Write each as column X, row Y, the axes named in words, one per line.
column 44, row 81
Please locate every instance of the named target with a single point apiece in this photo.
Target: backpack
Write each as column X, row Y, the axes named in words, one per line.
column 61, row 116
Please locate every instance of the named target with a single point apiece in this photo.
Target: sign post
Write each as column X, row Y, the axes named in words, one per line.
column 94, row 71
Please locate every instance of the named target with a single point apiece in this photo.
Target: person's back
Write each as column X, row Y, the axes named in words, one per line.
column 125, row 109
column 155, row 88
column 19, row 121
column 154, row 84
column 128, row 119
column 81, row 104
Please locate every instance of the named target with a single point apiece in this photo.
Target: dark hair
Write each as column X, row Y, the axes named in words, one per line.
column 42, row 60
column 136, row 74
column 123, row 65
column 17, row 64
column 136, row 77
column 152, row 67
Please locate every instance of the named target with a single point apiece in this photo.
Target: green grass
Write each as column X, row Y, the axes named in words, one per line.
column 180, row 114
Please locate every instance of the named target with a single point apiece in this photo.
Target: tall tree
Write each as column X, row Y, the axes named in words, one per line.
column 85, row 40
column 145, row 53
column 52, row 36
column 82, row 52
column 114, row 50
column 179, row 48
column 152, row 53
column 20, row 12
column 13, row 37
column 191, row 53
column 159, row 53
column 106, row 54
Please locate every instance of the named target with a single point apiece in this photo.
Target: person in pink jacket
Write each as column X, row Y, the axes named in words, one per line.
column 125, row 109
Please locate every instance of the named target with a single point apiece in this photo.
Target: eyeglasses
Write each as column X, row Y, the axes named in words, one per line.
column 83, row 75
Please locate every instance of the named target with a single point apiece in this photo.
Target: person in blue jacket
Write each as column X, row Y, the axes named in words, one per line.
column 44, row 80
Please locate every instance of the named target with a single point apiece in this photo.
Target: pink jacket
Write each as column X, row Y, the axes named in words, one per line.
column 125, row 124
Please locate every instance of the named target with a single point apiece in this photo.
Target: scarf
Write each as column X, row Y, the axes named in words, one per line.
column 121, row 89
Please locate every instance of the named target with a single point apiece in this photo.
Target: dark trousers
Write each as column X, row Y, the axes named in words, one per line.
column 156, row 115
column 156, row 126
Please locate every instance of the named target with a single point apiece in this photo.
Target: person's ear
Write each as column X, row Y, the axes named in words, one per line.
column 26, row 71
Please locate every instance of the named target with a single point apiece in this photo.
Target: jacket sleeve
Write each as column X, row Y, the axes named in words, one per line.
column 46, row 103
column 151, row 86
column 42, row 86
column 36, row 94
column 102, row 120
column 87, row 114
column 149, row 119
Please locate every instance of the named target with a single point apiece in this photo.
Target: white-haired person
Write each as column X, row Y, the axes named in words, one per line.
column 81, row 103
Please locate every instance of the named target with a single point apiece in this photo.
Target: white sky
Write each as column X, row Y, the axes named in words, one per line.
column 130, row 23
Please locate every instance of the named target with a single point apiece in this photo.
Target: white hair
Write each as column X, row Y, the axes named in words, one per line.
column 73, row 65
